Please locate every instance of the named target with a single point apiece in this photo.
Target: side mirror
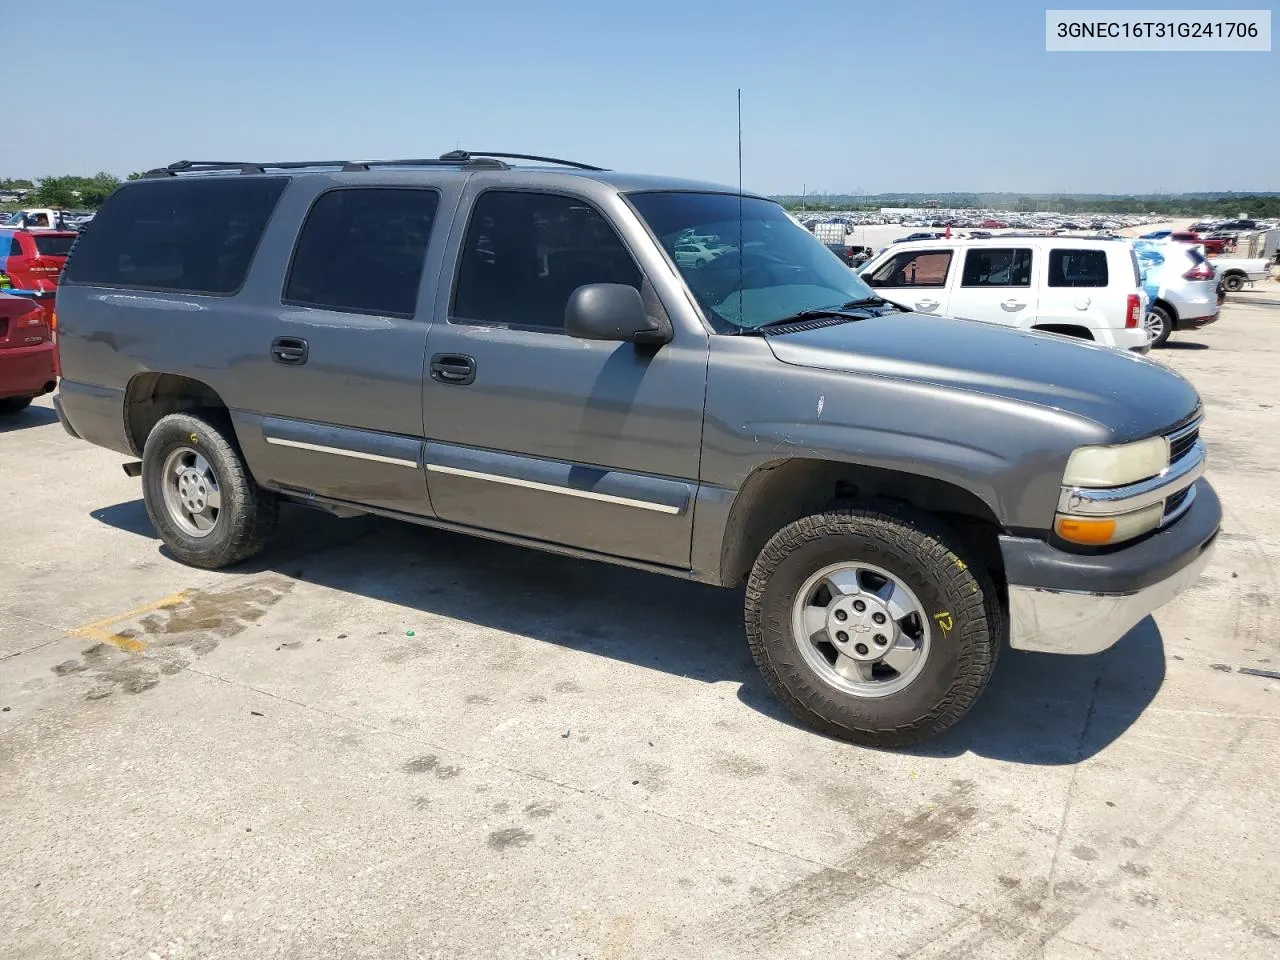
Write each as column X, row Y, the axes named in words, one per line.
column 612, row 311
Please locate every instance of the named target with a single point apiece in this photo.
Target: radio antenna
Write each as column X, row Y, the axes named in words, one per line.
column 741, row 251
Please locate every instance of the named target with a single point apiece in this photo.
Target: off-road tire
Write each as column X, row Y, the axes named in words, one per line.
column 928, row 557
column 11, row 405
column 248, row 514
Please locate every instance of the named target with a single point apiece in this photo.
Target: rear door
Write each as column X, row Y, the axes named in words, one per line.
column 916, row 278
column 1075, row 291
column 994, row 285
column 334, row 380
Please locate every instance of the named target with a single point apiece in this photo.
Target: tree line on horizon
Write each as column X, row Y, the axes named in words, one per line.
column 1219, row 205
column 88, row 193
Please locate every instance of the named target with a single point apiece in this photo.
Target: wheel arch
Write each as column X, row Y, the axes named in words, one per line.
column 1077, row 330
column 782, row 491
column 151, row 396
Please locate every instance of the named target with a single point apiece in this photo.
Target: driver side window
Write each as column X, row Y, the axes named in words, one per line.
column 913, row 268
column 525, row 254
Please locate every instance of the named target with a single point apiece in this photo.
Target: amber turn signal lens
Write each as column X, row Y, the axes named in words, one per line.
column 1087, row 531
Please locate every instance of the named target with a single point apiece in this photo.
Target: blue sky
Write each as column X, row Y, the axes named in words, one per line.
column 844, row 95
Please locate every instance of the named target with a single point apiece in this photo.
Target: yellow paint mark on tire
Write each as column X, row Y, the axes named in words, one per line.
column 945, row 621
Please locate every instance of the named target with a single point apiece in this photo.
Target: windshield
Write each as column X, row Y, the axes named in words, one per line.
column 750, row 271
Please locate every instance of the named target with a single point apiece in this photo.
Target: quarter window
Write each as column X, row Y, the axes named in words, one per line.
column 362, row 250
column 986, row 267
column 914, row 268
column 1078, row 268
column 183, row 236
column 525, row 253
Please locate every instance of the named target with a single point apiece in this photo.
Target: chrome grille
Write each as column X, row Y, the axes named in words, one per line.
column 1181, row 441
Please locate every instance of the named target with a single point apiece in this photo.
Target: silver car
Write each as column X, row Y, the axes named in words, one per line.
column 1182, row 286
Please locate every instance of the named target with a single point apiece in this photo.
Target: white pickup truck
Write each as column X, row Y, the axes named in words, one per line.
column 1235, row 272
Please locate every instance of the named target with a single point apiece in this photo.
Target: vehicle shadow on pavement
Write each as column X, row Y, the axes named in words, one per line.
column 1051, row 710
column 33, row 416
column 1039, row 709
column 1184, row 345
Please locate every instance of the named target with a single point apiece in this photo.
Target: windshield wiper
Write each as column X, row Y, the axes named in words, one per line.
column 873, row 302
column 803, row 315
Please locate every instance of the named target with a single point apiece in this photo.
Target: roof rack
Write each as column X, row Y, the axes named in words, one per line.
column 464, row 156
column 480, row 159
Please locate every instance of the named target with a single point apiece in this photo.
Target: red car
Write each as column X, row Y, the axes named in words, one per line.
column 27, row 353
column 993, row 224
column 1210, row 244
column 32, row 260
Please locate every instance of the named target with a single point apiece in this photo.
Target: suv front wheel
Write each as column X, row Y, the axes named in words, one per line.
column 870, row 627
column 200, row 496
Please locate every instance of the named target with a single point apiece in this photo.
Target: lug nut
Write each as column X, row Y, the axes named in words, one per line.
column 841, row 615
column 859, row 605
column 842, row 637
column 880, row 640
column 861, row 648
column 878, row 617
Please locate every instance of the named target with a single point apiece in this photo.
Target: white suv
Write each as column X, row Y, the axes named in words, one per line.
column 1081, row 287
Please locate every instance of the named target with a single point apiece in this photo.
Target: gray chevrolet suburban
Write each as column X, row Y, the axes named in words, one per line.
column 507, row 346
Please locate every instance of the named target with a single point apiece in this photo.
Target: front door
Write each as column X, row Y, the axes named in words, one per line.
column 915, row 278
column 995, row 285
column 587, row 444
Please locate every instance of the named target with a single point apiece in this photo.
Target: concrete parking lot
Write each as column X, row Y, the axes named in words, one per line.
column 382, row 741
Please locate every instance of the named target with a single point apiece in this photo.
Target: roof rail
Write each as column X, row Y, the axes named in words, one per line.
column 480, row 158
column 464, row 156
column 212, row 166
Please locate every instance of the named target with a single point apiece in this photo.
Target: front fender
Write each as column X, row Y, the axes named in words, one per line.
column 1008, row 454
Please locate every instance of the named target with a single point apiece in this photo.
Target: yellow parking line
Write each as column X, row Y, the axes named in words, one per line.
column 98, row 629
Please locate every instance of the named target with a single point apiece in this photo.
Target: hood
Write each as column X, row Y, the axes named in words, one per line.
column 1130, row 395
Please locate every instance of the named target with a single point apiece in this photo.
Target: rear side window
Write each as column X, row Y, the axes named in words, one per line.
column 913, row 268
column 15, row 248
column 183, row 236
column 1078, row 268
column 53, row 246
column 984, row 267
column 362, row 250
column 525, row 254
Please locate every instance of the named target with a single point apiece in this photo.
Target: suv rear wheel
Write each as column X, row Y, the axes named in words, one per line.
column 1158, row 325
column 200, row 496
column 868, row 624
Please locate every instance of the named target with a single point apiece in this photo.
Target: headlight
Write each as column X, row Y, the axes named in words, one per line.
column 1117, row 466
column 1101, row 531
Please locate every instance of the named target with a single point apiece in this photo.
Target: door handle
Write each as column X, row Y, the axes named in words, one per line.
column 1013, row 304
column 290, row 350
column 927, row 304
column 453, row 368
column 1083, row 303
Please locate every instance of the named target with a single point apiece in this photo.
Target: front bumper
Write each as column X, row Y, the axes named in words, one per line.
column 1062, row 602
